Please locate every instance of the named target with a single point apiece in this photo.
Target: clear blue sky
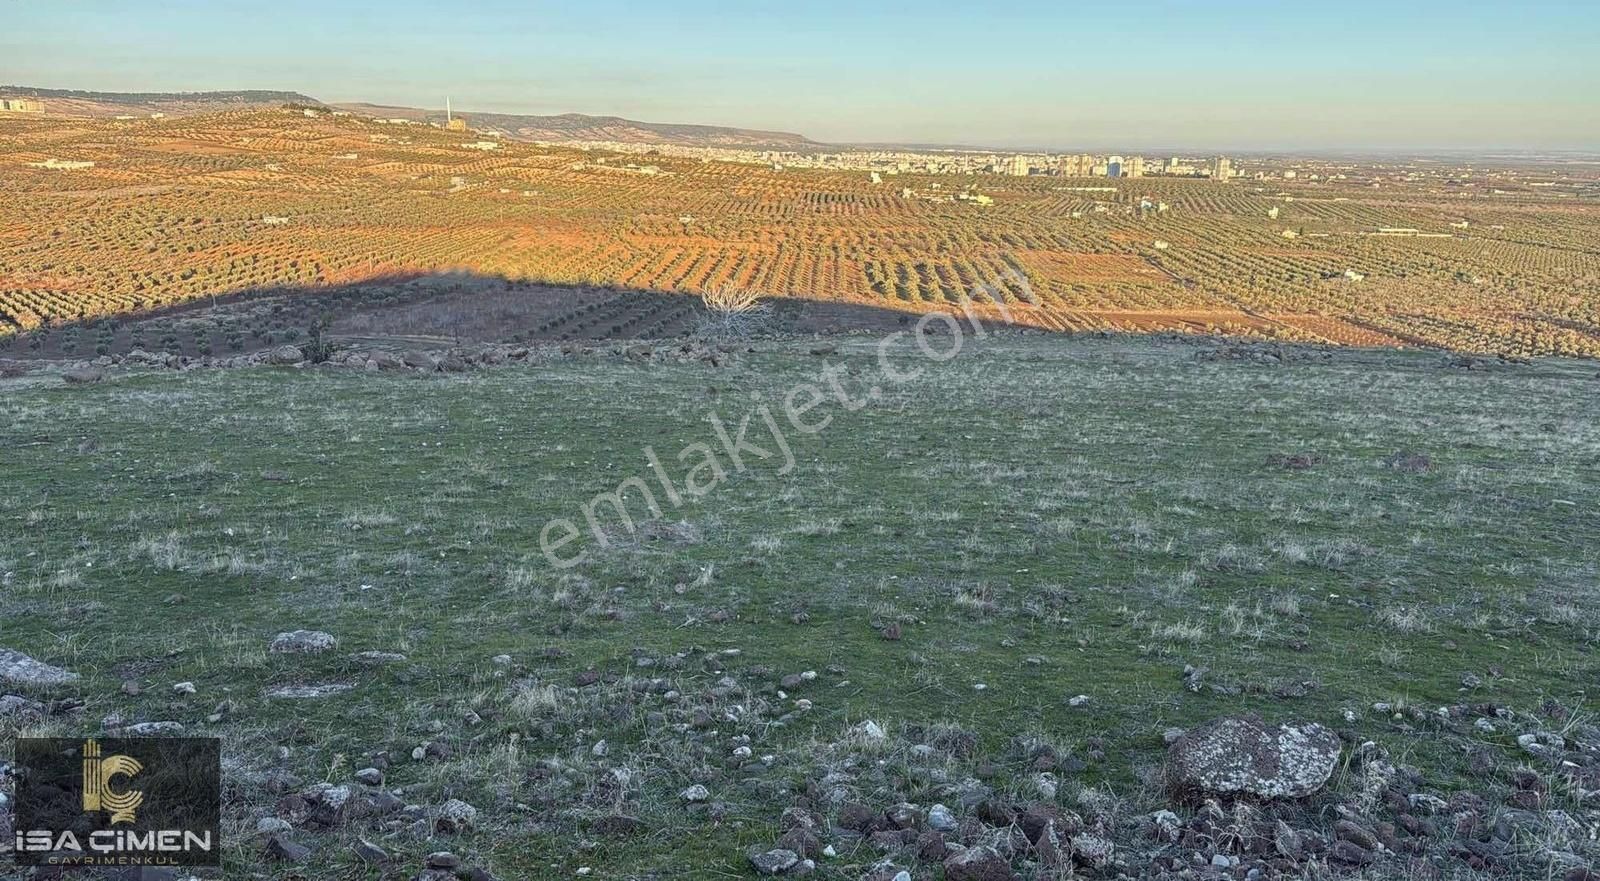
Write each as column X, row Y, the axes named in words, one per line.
column 1236, row 75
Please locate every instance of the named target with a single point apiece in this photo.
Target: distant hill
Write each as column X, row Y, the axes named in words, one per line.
column 103, row 104
column 565, row 128
column 579, row 127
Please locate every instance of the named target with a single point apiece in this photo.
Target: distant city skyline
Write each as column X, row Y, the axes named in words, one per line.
column 1234, row 76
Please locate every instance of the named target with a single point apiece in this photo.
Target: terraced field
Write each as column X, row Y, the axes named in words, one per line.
column 180, row 211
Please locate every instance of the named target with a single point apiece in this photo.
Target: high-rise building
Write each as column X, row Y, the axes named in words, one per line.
column 1017, row 166
column 1222, row 170
column 1136, row 166
column 1074, row 165
column 1114, row 167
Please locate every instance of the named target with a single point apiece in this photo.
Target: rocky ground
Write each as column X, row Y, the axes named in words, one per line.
column 1303, row 649
column 1241, row 799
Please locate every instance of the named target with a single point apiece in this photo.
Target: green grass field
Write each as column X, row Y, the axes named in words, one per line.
column 1038, row 519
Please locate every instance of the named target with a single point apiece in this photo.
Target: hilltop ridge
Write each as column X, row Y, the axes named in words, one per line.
column 567, row 127
column 560, row 128
column 79, row 102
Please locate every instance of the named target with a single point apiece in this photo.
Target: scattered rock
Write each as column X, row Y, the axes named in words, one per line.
column 1355, row 833
column 1240, row 755
column 1350, row 853
column 1093, row 851
column 981, row 863
column 302, row 642
column 273, row 826
column 284, row 356
column 18, row 669
column 297, row 692
column 1543, row 744
column 83, row 376
column 773, row 861
column 16, row 706
column 695, row 793
column 151, row 729
column 369, row 776
column 870, row 730
column 454, row 816
column 369, row 852
column 940, row 819
column 282, row 848
column 442, row 859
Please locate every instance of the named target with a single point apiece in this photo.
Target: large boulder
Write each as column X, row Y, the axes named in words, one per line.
column 1243, row 756
column 283, row 356
column 18, row 669
column 387, row 361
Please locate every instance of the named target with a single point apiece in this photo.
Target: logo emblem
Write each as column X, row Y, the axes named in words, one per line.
column 99, row 794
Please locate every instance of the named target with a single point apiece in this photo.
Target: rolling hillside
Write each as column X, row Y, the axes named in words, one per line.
column 569, row 127
column 111, row 104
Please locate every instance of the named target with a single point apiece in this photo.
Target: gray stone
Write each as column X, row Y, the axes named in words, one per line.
column 16, row 705
column 151, row 729
column 284, row 356
column 302, row 642
column 455, row 815
column 443, row 859
column 695, row 793
column 1350, row 854
column 773, row 861
column 19, row 669
column 272, row 826
column 369, row 852
column 280, row 847
column 1240, row 755
column 300, row 692
column 1093, row 851
column 940, row 819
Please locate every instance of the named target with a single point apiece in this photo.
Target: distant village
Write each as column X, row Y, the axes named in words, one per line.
column 928, row 161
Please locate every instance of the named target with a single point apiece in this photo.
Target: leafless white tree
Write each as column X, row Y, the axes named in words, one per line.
column 732, row 313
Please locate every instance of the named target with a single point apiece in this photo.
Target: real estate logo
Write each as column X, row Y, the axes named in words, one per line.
column 118, row 801
column 97, row 792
